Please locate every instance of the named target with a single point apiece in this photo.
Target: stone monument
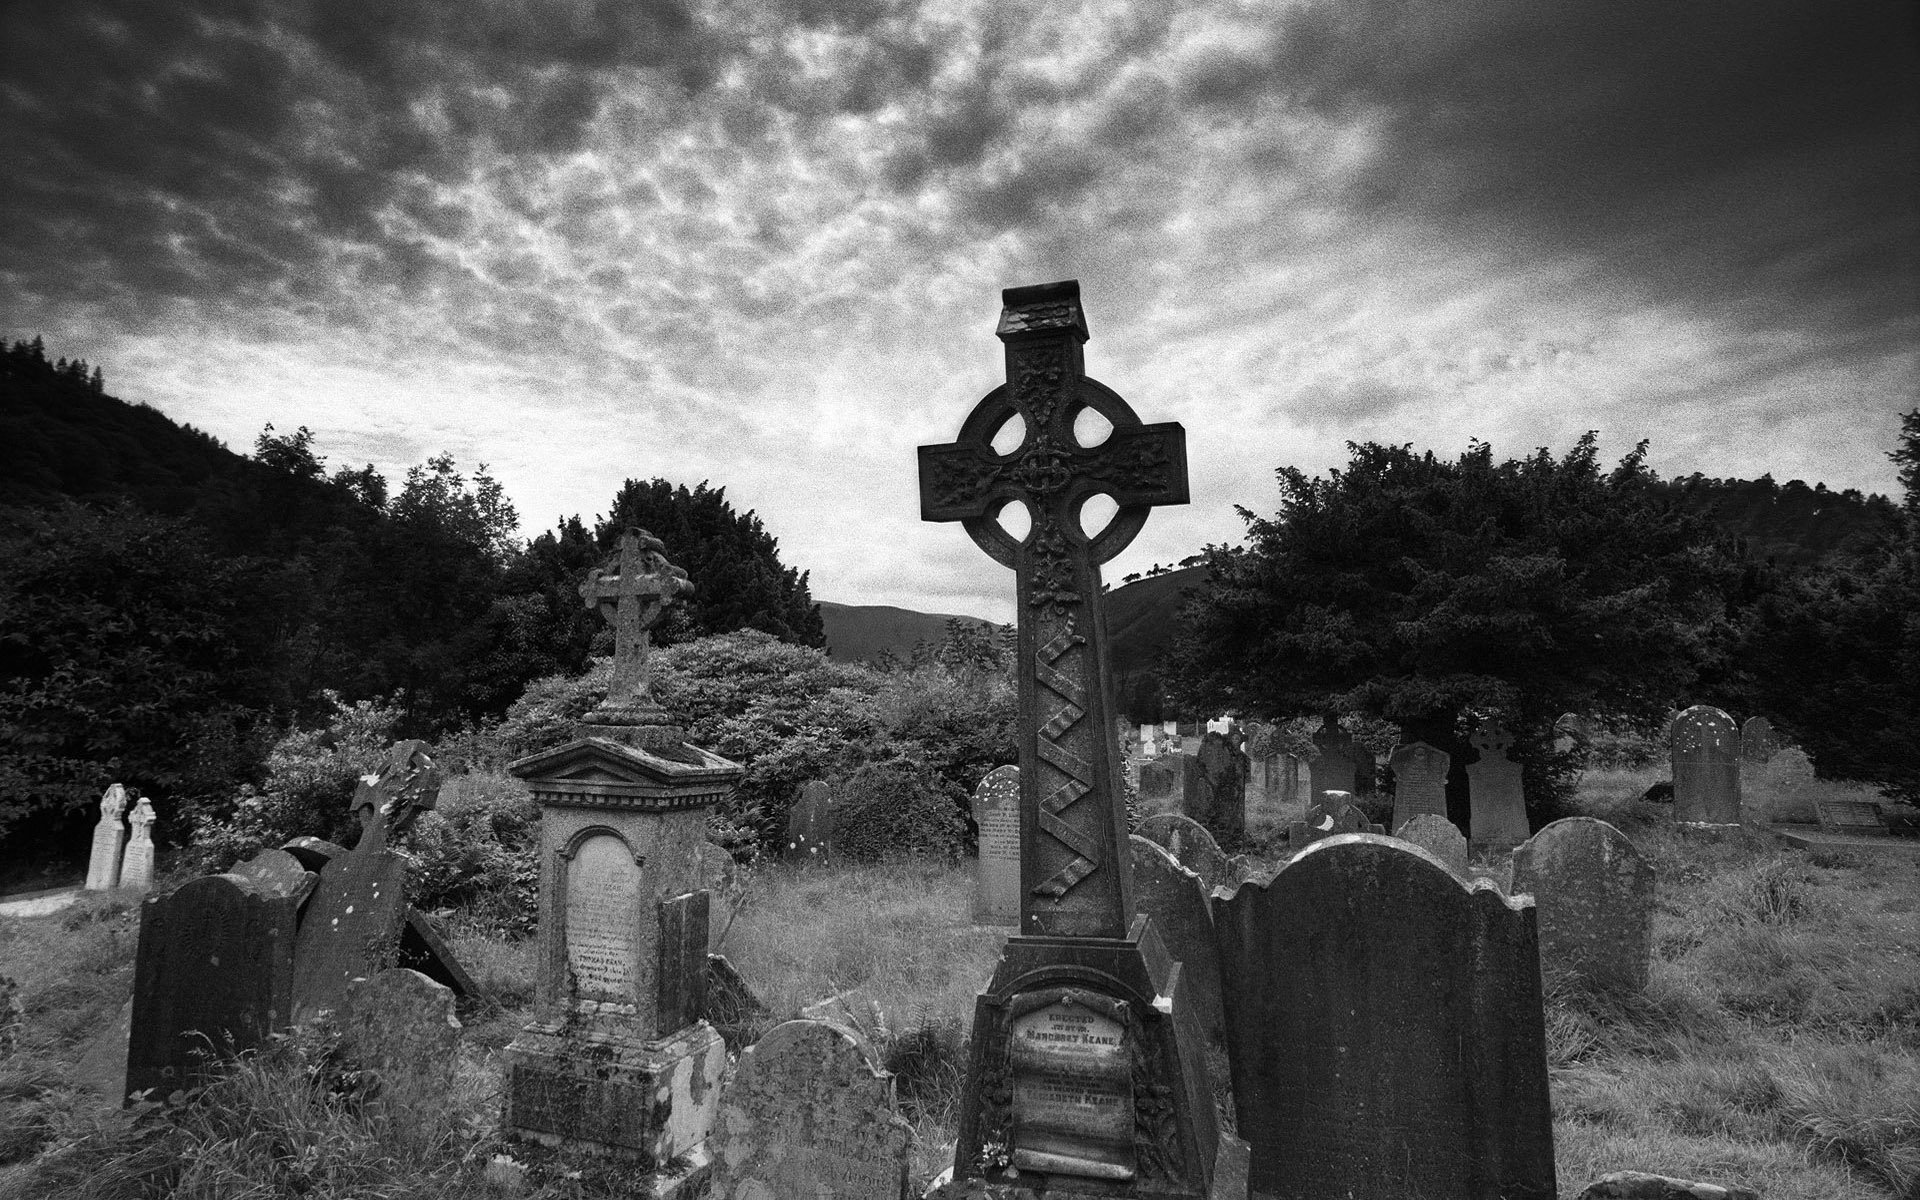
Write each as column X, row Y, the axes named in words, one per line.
column 1086, row 1074
column 136, row 869
column 1758, row 742
column 1216, row 788
column 1498, row 802
column 109, row 836
column 996, row 813
column 1419, row 781
column 619, row 1060
column 1706, row 767
column 1332, row 767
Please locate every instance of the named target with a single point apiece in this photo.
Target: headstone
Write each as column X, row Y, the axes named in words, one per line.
column 996, row 813
column 103, row 1067
column 1593, row 897
column 1386, row 1029
column 1086, row 1069
column 1294, row 786
column 1419, row 781
column 352, row 925
column 1332, row 767
column 1335, row 814
column 1757, row 740
column 136, row 869
column 810, row 826
column 1191, row 846
column 1149, row 741
column 399, row 1028
column 295, row 871
column 1790, row 772
column 103, row 866
column 1156, row 778
column 1438, row 837
column 726, row 888
column 1216, row 788
column 619, row 1060
column 1706, row 767
column 279, row 873
column 731, row 1004
column 806, row 1114
column 1498, row 802
column 1177, row 900
column 212, row 976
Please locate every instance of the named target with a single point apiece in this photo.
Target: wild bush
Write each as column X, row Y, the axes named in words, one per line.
column 479, row 852
column 895, row 811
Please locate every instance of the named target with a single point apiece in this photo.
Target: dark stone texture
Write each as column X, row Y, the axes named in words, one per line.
column 1638, row 1185
column 1593, row 899
column 1216, row 789
column 1706, row 767
column 1191, row 846
column 1176, row 898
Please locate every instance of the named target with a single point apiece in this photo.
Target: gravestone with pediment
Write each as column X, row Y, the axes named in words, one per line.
column 808, row 1113
column 1419, row 781
column 212, row 976
column 1706, row 767
column 1191, row 845
column 1086, row 1072
column 1157, row 778
column 1386, row 1029
column 1498, row 802
column 996, row 814
column 1216, row 788
column 1758, row 742
column 619, row 1060
column 109, row 837
column 1593, row 898
column 1177, row 899
column 810, row 826
column 136, row 866
column 1333, row 765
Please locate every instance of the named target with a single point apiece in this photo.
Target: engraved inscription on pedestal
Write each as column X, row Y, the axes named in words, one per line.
column 1073, row 1089
column 603, row 919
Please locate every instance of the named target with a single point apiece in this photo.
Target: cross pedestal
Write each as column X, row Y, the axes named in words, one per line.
column 1086, row 1077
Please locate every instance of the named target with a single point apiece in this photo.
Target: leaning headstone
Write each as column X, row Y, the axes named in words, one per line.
column 996, row 882
column 1438, row 837
column 1332, row 767
column 109, row 836
column 1191, row 846
column 398, row 1027
column 136, row 869
column 1177, row 899
column 1335, row 814
column 1498, row 802
column 1386, row 1029
column 212, row 977
column 1757, row 740
column 1419, row 781
column 1706, row 767
column 810, row 826
column 1593, row 897
column 1859, row 818
column 726, row 888
column 278, row 873
column 807, row 1114
column 1216, row 788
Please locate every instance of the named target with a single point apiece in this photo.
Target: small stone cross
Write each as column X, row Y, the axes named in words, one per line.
column 631, row 592
column 388, row 800
column 1075, row 871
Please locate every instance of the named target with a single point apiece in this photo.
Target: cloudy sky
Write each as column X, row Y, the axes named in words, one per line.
column 761, row 243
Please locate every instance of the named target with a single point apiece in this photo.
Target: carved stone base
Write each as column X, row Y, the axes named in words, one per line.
column 1088, row 1079
column 595, row 1091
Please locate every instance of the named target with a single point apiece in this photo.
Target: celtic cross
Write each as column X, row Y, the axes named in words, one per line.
column 1075, row 871
column 631, row 592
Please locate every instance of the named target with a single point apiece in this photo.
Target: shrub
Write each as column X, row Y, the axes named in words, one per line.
column 479, row 851
column 894, row 811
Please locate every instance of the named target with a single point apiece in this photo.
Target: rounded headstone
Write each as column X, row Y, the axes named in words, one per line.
column 1438, row 837
column 1593, row 896
column 1191, row 846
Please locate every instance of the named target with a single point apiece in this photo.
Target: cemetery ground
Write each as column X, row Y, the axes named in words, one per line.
column 1777, row 1045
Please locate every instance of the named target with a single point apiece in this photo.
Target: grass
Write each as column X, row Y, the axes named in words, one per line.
column 1776, row 1047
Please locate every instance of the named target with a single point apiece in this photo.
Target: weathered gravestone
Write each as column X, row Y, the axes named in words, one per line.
column 996, row 813
column 1419, row 781
column 1176, row 898
column 1156, row 779
column 726, row 887
column 212, row 976
column 136, row 868
column 1706, row 767
column 1438, row 837
column 1861, row 818
column 1385, row 1029
column 1498, row 803
column 1593, row 898
column 1332, row 767
column 1216, row 788
column 399, row 1028
column 278, row 873
column 295, row 871
column 1336, row 813
column 1758, row 742
column 1191, row 846
column 352, row 924
column 619, row 1060
column 856, row 1011
column 1086, row 1070
column 810, row 826
column 807, row 1114
column 1790, row 772
column 109, row 836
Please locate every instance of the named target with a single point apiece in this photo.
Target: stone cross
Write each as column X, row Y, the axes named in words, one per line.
column 1075, row 873
column 406, row 785
column 136, row 869
column 631, row 591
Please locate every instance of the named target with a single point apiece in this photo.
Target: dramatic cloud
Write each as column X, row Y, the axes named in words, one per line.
column 762, row 244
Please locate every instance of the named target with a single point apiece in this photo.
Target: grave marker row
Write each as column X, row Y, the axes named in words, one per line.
column 117, row 861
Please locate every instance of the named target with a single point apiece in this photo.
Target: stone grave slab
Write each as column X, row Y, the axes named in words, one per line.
column 807, row 1114
column 1706, row 767
column 1419, row 781
column 1333, row 766
column 1861, row 818
column 1215, row 792
column 1191, row 846
column 103, row 1067
column 1156, row 778
column 1498, row 802
column 212, row 976
column 136, row 866
column 1177, row 900
column 1593, row 900
column 1386, row 1029
column 400, row 1026
column 1438, row 837
column 996, row 813
column 109, row 837
column 810, row 826
column 350, row 928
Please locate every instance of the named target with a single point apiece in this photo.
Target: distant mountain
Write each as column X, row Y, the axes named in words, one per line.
column 862, row 632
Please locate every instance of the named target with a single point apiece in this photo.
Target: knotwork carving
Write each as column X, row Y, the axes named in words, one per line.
column 1054, row 752
column 1052, row 568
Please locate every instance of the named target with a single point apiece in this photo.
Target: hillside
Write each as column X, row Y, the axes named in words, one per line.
column 863, row 632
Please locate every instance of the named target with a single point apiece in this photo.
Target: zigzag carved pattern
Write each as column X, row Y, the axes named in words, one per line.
column 1086, row 850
